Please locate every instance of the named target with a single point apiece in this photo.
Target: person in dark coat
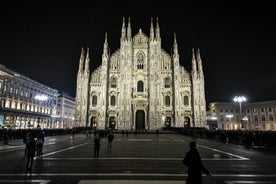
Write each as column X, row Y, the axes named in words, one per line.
column 110, row 138
column 30, row 154
column 96, row 146
column 195, row 167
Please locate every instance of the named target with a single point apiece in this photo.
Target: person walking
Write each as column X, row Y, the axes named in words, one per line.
column 97, row 146
column 40, row 143
column 110, row 138
column 195, row 166
column 30, row 154
column 26, row 140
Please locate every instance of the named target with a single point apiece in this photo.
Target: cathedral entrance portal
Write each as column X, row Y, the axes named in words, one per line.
column 112, row 123
column 93, row 122
column 168, row 122
column 187, row 123
column 140, row 120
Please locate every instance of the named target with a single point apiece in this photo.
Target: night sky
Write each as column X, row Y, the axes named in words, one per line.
column 43, row 40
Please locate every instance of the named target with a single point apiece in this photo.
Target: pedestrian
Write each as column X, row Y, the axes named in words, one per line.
column 157, row 133
column 97, row 146
column 195, row 166
column 26, row 140
column 40, row 143
column 30, row 154
column 110, row 138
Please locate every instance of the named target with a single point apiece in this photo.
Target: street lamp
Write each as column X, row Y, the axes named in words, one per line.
column 229, row 116
column 240, row 99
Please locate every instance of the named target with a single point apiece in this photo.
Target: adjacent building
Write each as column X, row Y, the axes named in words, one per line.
column 65, row 112
column 248, row 116
column 25, row 103
column 140, row 86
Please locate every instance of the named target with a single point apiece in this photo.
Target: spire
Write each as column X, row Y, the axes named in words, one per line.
column 81, row 61
column 129, row 30
column 105, row 48
column 199, row 62
column 151, row 30
column 175, row 47
column 87, row 61
column 123, row 32
column 157, row 30
column 194, row 70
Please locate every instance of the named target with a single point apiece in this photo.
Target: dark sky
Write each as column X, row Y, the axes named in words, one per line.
column 43, row 40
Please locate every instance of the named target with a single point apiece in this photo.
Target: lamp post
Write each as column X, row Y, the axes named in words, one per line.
column 229, row 116
column 240, row 99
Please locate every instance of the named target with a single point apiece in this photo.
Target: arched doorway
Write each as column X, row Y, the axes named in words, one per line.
column 187, row 123
column 112, row 123
column 168, row 122
column 93, row 122
column 140, row 120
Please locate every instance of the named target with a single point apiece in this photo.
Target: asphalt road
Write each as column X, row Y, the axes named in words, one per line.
column 145, row 159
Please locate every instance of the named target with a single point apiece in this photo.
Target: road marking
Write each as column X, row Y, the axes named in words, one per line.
column 25, row 181
column 130, row 182
column 248, row 182
column 142, row 174
column 52, row 153
column 131, row 158
column 227, row 153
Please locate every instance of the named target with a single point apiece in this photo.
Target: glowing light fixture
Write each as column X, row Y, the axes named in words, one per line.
column 41, row 97
column 240, row 99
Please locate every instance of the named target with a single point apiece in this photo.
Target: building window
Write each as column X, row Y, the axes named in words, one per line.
column 186, row 100
column 167, row 82
column 113, row 100
column 263, row 118
column 94, row 100
column 167, row 100
column 140, row 86
column 271, row 118
column 113, row 83
column 255, row 118
column 140, row 61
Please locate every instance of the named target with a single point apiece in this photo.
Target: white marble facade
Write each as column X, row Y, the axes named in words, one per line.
column 140, row 86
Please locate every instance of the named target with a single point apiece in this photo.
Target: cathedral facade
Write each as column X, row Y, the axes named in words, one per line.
column 140, row 86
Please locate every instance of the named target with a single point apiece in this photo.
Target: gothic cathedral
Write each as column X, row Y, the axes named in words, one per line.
column 140, row 86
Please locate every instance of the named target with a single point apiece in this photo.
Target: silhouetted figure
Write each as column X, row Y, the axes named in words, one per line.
column 30, row 154
column 97, row 146
column 195, row 167
column 26, row 140
column 157, row 133
column 40, row 143
column 110, row 138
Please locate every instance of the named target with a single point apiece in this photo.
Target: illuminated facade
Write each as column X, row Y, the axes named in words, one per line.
column 140, row 86
column 65, row 112
column 25, row 103
column 254, row 116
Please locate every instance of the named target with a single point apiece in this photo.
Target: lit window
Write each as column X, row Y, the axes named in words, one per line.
column 271, row 118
